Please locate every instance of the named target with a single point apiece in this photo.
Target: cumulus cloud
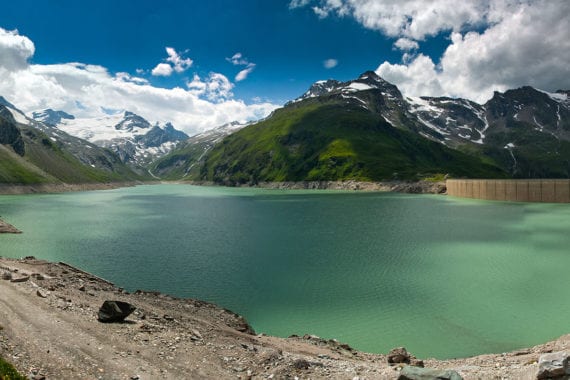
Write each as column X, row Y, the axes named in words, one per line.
column 493, row 44
column 528, row 46
column 330, row 63
column 85, row 90
column 174, row 62
column 16, row 50
column 405, row 44
column 216, row 87
column 414, row 19
column 162, row 70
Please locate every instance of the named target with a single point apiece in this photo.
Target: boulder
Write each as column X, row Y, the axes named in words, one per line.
column 553, row 366
column 398, row 355
column 114, row 311
column 6, row 276
column 417, row 373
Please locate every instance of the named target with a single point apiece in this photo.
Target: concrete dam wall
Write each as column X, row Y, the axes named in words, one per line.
column 521, row 190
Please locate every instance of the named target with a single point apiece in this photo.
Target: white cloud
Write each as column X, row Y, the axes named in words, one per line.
column 84, row 90
column 405, row 44
column 174, row 63
column 239, row 60
column 493, row 44
column 298, row 3
column 180, row 64
column 330, row 63
column 16, row 50
column 216, row 87
column 528, row 45
column 245, row 72
column 414, row 19
column 162, row 70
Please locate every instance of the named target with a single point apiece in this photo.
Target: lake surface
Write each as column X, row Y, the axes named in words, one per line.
column 443, row 277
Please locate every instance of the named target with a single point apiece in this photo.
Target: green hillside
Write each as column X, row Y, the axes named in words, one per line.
column 37, row 158
column 314, row 140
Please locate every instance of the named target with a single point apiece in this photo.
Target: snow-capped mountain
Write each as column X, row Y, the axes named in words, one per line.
column 132, row 137
column 51, row 117
column 49, row 155
column 189, row 155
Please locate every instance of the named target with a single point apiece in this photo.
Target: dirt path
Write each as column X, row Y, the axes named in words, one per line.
column 49, row 329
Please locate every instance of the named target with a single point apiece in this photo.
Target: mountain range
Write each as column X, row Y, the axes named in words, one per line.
column 362, row 129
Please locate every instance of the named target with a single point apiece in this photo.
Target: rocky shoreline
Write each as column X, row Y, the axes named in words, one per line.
column 417, row 187
column 40, row 188
column 49, row 330
column 7, row 228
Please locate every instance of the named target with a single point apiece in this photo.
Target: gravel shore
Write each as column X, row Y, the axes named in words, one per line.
column 49, row 330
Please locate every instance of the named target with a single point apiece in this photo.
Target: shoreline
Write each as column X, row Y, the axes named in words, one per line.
column 409, row 187
column 169, row 337
column 47, row 188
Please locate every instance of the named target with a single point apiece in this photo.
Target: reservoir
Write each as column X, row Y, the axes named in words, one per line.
column 442, row 276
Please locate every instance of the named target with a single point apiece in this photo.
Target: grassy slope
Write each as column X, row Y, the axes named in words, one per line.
column 182, row 162
column 46, row 162
column 8, row 372
column 315, row 141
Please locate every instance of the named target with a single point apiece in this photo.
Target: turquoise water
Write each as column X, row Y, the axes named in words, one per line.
column 443, row 277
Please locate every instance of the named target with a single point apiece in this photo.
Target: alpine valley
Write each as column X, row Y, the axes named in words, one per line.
column 363, row 130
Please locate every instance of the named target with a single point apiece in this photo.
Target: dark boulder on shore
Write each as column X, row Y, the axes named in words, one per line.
column 114, row 311
column 416, row 373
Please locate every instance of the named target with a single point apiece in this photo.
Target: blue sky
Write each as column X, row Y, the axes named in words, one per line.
column 287, row 45
column 112, row 54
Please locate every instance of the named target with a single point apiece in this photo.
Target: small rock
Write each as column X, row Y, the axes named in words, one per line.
column 196, row 335
column 301, row 364
column 168, row 317
column 6, row 276
column 82, row 288
column 115, row 311
column 416, row 362
column 553, row 366
column 398, row 355
column 417, row 373
column 41, row 293
column 20, row 279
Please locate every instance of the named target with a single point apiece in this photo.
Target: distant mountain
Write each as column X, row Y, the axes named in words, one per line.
column 51, row 117
column 359, row 130
column 32, row 152
column 366, row 129
column 133, row 138
column 187, row 158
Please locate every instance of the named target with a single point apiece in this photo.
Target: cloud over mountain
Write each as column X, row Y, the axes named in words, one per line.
column 85, row 90
column 493, row 44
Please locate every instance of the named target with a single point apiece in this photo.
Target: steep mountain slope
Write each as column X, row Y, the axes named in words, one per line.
column 133, row 138
column 187, row 158
column 31, row 152
column 328, row 138
column 525, row 130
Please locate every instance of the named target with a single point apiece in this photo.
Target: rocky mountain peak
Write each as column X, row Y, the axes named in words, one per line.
column 51, row 117
column 131, row 121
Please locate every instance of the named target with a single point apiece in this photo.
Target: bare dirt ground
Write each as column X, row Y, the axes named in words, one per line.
column 49, row 329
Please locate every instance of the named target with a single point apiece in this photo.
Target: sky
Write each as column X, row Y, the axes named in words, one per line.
column 200, row 64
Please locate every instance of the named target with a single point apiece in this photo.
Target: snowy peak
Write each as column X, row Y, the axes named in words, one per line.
column 51, row 117
column 368, row 80
column 132, row 121
column 320, row 88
